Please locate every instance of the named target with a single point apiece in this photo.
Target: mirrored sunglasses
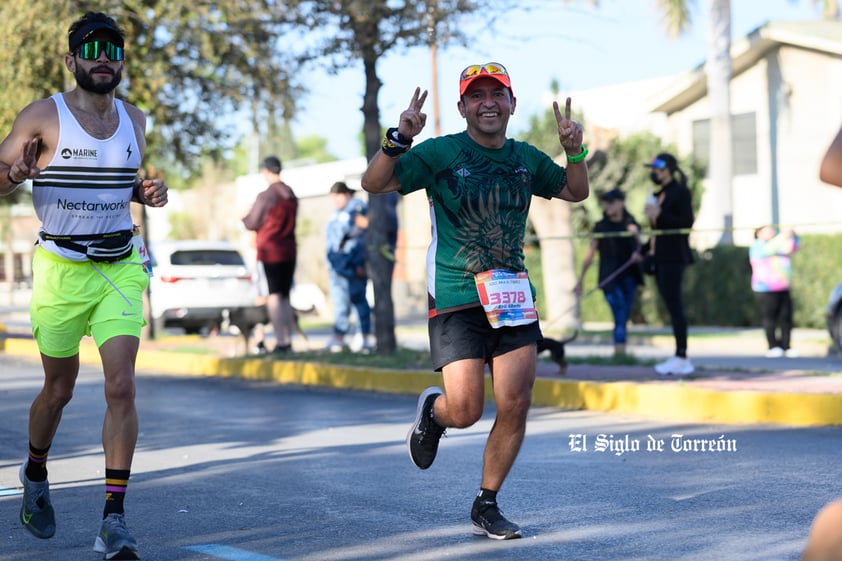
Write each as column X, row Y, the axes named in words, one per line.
column 92, row 49
column 489, row 68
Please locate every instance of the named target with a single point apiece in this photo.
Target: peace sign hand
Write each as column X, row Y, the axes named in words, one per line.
column 24, row 167
column 412, row 120
column 569, row 131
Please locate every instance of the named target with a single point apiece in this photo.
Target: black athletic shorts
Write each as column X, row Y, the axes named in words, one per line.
column 279, row 277
column 467, row 334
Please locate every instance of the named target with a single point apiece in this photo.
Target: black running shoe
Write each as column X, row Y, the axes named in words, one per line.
column 423, row 438
column 489, row 521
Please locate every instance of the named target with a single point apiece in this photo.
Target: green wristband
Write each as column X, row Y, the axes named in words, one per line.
column 578, row 157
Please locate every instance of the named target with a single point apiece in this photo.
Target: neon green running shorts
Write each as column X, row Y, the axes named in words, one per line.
column 72, row 299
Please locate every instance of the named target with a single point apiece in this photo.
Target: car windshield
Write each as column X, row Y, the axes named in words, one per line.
column 206, row 257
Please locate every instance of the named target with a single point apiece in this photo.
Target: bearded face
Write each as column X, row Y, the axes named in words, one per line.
column 95, row 79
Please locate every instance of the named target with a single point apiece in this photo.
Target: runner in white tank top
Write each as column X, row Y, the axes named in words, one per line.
column 82, row 150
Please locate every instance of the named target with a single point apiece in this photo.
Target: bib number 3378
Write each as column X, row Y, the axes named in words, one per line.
column 506, row 297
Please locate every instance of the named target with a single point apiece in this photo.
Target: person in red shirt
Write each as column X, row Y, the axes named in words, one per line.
column 273, row 217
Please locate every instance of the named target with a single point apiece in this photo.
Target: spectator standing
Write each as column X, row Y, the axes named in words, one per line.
column 273, row 217
column 671, row 208
column 82, row 149
column 771, row 279
column 618, row 244
column 346, row 258
column 479, row 185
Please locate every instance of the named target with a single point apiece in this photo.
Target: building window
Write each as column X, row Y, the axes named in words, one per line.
column 743, row 143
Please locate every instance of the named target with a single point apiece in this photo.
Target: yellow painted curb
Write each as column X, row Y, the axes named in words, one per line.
column 666, row 400
column 680, row 401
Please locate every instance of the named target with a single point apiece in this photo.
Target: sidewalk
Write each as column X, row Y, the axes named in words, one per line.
column 734, row 382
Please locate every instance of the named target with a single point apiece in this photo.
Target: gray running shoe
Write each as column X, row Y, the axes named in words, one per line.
column 425, row 433
column 114, row 539
column 36, row 512
column 489, row 521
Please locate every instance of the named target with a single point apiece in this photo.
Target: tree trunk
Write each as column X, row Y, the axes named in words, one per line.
column 380, row 266
column 718, row 71
column 551, row 220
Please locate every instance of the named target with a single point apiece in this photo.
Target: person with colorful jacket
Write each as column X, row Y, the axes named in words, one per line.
column 771, row 278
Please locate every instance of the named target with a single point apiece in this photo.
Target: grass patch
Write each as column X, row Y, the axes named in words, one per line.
column 613, row 360
column 193, row 350
column 402, row 359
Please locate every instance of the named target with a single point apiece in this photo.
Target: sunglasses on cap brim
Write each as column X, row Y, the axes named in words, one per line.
column 493, row 68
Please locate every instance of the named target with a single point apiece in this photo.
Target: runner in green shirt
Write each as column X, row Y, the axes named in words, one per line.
column 480, row 185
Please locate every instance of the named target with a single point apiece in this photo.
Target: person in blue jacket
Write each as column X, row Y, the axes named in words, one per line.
column 346, row 257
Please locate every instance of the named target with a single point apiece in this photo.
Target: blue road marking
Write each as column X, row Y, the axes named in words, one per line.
column 230, row 553
column 9, row 492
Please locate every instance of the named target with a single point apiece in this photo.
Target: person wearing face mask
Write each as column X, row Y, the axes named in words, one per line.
column 619, row 251
column 671, row 210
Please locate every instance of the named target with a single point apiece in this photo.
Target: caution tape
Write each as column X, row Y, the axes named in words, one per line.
column 676, row 231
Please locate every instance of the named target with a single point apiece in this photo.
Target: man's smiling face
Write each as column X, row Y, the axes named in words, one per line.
column 487, row 106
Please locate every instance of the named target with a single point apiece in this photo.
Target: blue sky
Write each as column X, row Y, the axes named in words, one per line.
column 579, row 46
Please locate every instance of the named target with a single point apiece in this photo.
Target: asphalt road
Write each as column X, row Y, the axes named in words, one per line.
column 243, row 471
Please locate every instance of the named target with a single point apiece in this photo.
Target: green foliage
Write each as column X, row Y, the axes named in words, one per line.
column 717, row 287
column 816, row 271
column 278, row 141
column 314, row 148
column 34, row 40
column 402, row 359
column 187, row 65
column 618, row 167
column 183, row 226
column 621, row 167
column 542, row 132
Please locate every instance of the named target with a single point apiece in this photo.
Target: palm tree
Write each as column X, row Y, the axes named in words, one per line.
column 718, row 72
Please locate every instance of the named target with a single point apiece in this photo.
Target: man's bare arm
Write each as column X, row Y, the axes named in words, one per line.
column 380, row 177
column 28, row 141
column 570, row 135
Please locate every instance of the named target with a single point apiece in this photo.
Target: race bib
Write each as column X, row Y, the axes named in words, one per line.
column 145, row 259
column 506, row 297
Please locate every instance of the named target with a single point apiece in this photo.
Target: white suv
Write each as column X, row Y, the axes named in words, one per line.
column 195, row 281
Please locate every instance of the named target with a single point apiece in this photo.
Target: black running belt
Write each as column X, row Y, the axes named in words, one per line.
column 108, row 247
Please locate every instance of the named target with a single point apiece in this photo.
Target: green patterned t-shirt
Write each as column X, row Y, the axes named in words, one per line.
column 479, row 200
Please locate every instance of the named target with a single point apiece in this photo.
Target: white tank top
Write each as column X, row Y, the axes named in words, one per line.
column 87, row 187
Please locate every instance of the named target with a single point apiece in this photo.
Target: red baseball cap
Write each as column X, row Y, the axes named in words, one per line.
column 493, row 70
